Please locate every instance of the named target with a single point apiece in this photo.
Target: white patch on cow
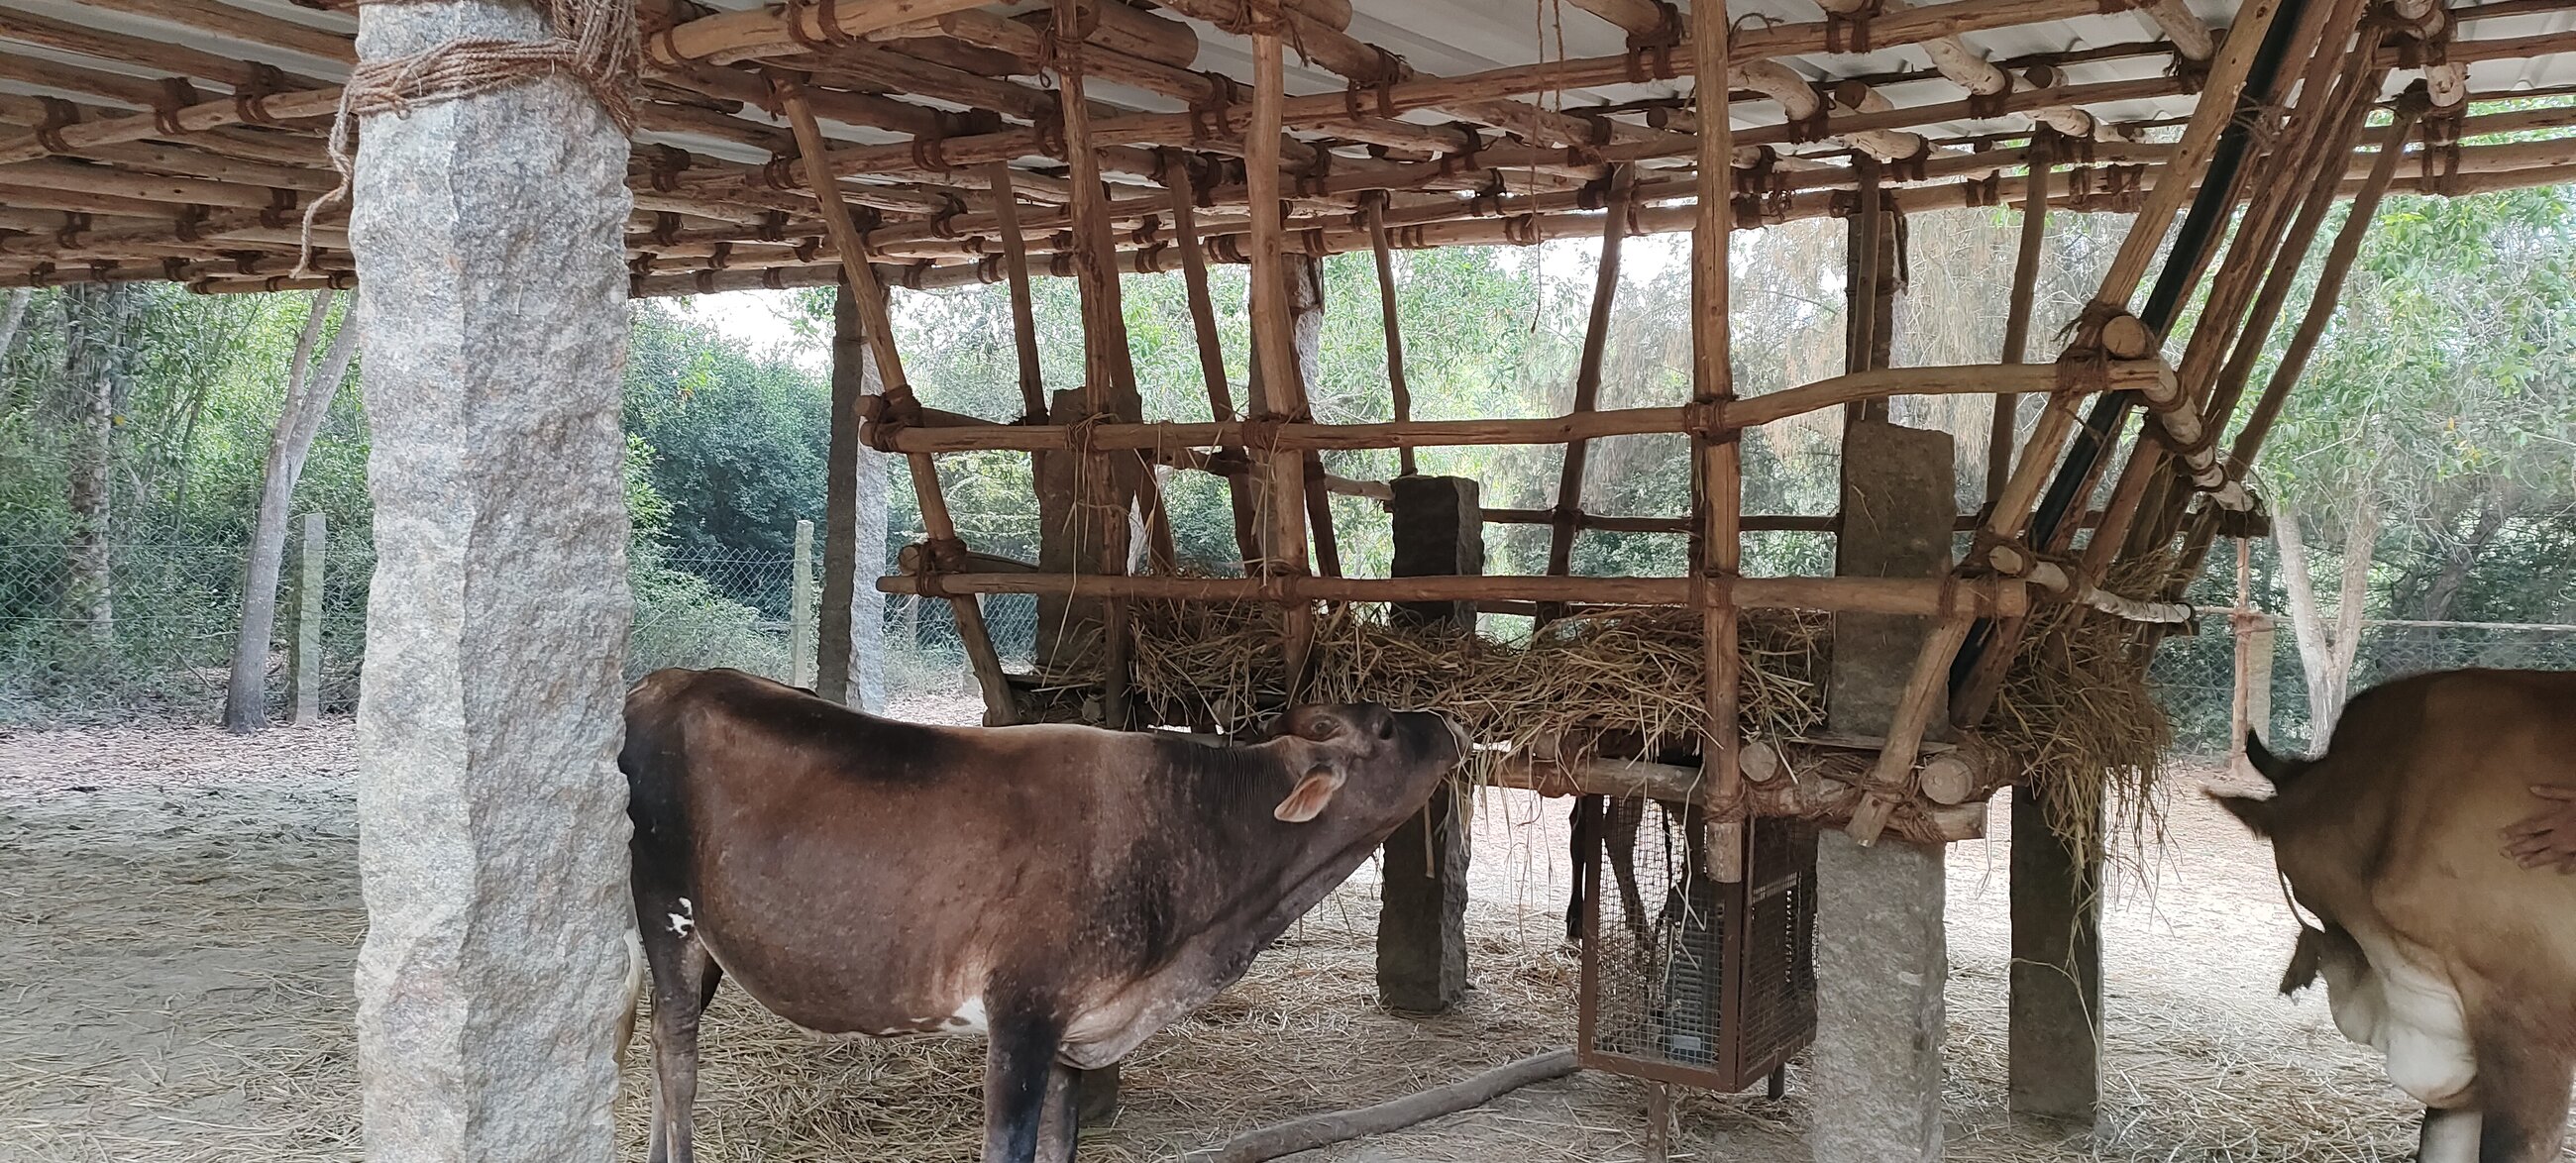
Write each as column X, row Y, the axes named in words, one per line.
column 2408, row 1013
column 969, row 1018
column 684, row 920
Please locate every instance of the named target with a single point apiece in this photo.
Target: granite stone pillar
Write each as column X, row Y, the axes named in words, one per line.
column 1880, row 958
column 492, row 818
column 1439, row 530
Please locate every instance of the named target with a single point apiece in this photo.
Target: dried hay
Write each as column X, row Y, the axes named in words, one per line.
column 1634, row 671
column 2075, row 709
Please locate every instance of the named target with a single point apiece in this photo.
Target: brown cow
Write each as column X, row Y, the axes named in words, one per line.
column 2436, row 945
column 1066, row 891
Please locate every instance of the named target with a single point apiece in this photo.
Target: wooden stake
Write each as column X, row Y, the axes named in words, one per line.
column 1721, row 480
column 1015, row 263
column 1587, row 379
column 1194, row 277
column 1109, row 482
column 1273, row 346
column 868, row 296
column 1394, row 328
column 2025, row 293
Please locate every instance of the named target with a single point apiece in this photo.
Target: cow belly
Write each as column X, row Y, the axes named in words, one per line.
column 862, row 1013
column 2412, row 1016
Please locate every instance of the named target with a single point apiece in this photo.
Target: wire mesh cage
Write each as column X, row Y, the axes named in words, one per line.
column 1686, row 979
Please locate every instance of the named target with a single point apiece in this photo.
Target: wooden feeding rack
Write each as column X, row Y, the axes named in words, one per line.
column 922, row 144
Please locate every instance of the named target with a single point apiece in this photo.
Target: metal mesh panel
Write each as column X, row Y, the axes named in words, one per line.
column 1686, row 979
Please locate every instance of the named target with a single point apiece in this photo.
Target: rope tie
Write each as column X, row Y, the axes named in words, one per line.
column 773, row 227
column 1706, row 419
column 665, row 163
column 75, row 224
column 594, row 43
column 885, row 417
column 250, row 98
column 176, row 96
column 189, row 219
column 58, row 114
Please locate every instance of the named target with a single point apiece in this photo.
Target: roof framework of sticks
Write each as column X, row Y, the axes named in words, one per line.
column 181, row 140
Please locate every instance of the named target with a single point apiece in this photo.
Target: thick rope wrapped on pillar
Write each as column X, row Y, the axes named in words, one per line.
column 594, row 43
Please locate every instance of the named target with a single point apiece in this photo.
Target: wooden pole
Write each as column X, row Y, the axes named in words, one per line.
column 1587, row 379
column 1194, row 277
column 304, row 660
column 2312, row 326
column 868, row 296
column 1394, row 327
column 800, row 609
column 1751, row 412
column 1015, row 263
column 1107, row 482
column 1930, row 597
column 1860, row 280
column 1273, row 346
column 1721, row 481
column 2025, row 294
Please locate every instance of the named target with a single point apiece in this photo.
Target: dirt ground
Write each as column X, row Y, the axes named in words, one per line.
column 181, row 913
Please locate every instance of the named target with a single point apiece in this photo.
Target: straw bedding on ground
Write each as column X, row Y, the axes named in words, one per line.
column 176, row 942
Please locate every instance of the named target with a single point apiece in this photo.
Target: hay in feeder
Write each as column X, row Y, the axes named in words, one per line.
column 1631, row 672
column 2075, row 709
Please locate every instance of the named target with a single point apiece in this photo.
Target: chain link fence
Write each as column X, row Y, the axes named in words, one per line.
column 2195, row 681
column 166, row 647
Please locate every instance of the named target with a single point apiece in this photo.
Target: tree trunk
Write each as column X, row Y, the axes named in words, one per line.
column 2326, row 652
column 309, row 389
column 12, row 313
column 94, row 324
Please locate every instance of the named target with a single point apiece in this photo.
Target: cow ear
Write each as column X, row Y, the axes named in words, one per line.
column 2256, row 814
column 1311, row 794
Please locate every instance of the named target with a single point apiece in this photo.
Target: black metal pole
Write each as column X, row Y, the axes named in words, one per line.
column 2200, row 230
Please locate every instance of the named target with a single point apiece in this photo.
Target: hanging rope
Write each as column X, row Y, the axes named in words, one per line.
column 594, row 43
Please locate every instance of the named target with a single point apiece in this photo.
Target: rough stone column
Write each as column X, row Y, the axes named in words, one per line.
column 1880, row 959
column 304, row 649
column 492, row 819
column 1422, row 921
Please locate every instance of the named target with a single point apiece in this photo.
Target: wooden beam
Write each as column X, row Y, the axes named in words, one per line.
column 1872, row 595
column 868, row 295
column 1748, row 412
column 1273, row 346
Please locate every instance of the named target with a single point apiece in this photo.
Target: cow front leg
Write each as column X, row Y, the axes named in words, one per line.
column 2448, row 1136
column 1061, row 1125
column 1019, row 1080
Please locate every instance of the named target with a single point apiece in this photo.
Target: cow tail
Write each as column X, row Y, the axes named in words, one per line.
column 635, row 976
column 2271, row 766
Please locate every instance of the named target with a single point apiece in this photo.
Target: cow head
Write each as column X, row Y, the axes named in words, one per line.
column 2262, row 813
column 1363, row 759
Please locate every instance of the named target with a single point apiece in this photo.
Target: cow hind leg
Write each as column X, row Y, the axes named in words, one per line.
column 1623, row 819
column 684, row 980
column 2449, row 1136
column 1580, row 842
column 2521, row 1089
column 1020, row 1072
